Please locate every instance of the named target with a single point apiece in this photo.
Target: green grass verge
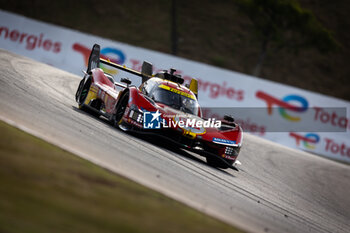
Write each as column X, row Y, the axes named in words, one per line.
column 46, row 189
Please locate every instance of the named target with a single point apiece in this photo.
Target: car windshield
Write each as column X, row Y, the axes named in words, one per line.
column 176, row 99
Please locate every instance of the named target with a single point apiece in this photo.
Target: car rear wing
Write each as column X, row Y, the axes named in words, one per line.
column 95, row 60
column 146, row 70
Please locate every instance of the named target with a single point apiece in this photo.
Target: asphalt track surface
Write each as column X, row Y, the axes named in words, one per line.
column 276, row 190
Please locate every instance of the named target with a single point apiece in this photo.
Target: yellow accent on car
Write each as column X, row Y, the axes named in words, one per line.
column 91, row 95
column 93, row 89
column 177, row 91
column 189, row 134
column 194, row 86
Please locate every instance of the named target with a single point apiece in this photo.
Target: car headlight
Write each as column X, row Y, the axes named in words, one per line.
column 232, row 151
column 136, row 116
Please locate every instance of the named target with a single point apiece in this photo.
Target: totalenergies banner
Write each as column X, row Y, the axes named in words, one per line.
column 293, row 117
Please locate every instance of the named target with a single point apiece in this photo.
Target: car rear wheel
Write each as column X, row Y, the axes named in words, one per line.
column 78, row 92
column 120, row 109
column 82, row 92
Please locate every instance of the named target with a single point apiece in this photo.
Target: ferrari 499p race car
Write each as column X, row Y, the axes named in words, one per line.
column 161, row 106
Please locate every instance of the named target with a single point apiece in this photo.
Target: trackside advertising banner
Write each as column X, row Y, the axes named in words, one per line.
column 284, row 114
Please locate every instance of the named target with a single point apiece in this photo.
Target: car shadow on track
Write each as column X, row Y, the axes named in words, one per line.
column 153, row 140
column 163, row 143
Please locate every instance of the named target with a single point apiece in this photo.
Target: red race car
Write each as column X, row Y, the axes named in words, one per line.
column 160, row 106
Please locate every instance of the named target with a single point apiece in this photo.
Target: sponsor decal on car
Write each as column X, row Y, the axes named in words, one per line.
column 177, row 91
column 224, row 142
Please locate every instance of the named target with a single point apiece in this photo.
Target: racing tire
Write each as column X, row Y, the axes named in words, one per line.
column 120, row 109
column 217, row 162
column 82, row 92
column 78, row 92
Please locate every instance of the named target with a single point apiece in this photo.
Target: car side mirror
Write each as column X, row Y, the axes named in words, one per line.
column 127, row 81
column 229, row 118
column 146, row 71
